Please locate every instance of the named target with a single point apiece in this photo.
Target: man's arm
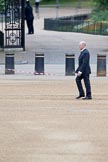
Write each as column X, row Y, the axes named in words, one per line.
column 85, row 62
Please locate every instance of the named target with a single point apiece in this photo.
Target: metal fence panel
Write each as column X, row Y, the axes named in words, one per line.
column 81, row 26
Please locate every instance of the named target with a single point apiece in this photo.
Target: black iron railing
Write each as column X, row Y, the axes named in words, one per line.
column 73, row 25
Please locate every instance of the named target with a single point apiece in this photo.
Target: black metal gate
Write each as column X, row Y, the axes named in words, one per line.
column 14, row 24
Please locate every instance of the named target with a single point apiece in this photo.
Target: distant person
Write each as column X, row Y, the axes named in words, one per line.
column 29, row 17
column 83, row 72
column 37, row 2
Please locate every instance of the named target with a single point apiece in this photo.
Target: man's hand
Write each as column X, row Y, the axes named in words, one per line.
column 79, row 73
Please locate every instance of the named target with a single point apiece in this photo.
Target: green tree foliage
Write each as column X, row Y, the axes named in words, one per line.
column 1, row 5
column 100, row 13
column 102, row 4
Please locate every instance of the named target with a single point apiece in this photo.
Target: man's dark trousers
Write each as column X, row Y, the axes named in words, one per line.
column 87, row 85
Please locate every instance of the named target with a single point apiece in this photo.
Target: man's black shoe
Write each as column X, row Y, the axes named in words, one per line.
column 87, row 98
column 80, row 96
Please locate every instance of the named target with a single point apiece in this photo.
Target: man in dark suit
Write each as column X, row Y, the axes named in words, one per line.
column 29, row 17
column 83, row 72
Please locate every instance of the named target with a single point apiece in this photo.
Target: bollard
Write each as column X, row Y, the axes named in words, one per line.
column 39, row 63
column 70, row 64
column 101, row 65
column 9, row 64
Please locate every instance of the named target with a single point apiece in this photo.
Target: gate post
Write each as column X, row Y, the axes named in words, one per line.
column 1, row 39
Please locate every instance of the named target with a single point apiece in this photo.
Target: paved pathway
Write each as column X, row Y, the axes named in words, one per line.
column 56, row 44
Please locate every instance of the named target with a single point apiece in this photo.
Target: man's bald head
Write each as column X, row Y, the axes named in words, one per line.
column 82, row 45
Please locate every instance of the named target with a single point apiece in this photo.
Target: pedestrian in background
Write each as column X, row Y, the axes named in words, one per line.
column 83, row 72
column 37, row 2
column 29, row 17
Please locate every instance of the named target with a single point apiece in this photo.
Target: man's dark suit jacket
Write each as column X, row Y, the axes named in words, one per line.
column 28, row 12
column 84, row 65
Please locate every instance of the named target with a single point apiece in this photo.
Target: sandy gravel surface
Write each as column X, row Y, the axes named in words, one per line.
column 41, row 121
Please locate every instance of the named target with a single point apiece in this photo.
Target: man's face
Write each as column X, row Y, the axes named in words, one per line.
column 81, row 46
